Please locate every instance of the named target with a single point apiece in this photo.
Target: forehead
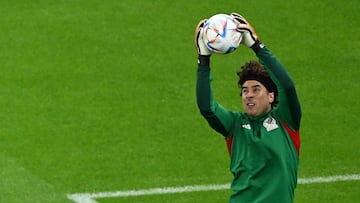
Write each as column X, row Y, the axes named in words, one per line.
column 252, row 83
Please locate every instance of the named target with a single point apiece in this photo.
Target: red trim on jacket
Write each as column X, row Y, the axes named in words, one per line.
column 294, row 135
column 229, row 143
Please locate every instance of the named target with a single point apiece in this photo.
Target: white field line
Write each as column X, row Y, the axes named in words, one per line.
column 90, row 197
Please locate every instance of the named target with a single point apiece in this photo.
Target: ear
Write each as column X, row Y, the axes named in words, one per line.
column 271, row 96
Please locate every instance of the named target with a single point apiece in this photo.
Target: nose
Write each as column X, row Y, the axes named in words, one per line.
column 249, row 94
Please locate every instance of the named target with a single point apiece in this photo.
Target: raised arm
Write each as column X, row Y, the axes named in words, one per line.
column 289, row 107
column 218, row 117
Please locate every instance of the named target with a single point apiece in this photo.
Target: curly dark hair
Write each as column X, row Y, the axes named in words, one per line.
column 253, row 70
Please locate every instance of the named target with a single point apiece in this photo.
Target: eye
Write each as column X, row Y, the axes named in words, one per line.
column 244, row 91
column 256, row 89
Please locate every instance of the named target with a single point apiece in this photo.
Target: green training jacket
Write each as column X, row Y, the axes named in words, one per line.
column 264, row 150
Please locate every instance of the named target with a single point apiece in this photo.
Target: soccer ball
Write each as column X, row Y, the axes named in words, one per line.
column 221, row 35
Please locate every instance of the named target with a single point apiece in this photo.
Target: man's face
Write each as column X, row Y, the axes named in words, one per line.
column 256, row 99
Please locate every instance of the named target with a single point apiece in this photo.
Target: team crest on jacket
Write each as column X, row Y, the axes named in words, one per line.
column 270, row 124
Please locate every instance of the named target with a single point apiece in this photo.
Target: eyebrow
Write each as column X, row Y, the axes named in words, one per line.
column 251, row 86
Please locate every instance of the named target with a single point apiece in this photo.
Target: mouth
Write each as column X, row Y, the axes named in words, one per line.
column 250, row 104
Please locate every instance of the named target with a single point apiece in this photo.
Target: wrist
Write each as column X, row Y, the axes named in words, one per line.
column 204, row 60
column 257, row 46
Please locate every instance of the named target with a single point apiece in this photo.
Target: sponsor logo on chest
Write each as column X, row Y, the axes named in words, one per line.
column 247, row 126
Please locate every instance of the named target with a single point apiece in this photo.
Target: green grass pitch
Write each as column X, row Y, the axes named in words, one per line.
column 99, row 96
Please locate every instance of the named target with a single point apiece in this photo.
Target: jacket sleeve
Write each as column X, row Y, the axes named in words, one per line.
column 217, row 116
column 289, row 109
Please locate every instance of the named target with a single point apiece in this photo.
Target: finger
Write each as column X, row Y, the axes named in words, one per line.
column 236, row 15
column 201, row 24
column 244, row 27
column 239, row 18
column 198, row 27
column 198, row 32
column 245, row 30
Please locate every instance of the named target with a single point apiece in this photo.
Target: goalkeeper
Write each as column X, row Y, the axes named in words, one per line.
column 264, row 140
